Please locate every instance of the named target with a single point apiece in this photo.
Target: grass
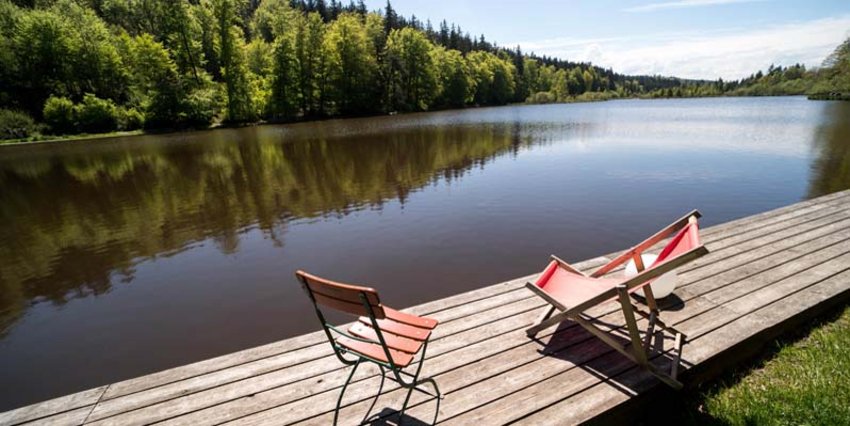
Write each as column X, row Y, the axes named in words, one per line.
column 39, row 138
column 806, row 382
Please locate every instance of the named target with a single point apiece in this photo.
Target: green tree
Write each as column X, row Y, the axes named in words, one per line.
column 283, row 102
column 156, row 82
column 9, row 17
column 560, row 85
column 835, row 75
column 232, row 59
column 203, row 14
column 309, row 39
column 272, row 19
column 576, row 82
column 352, row 64
column 494, row 78
column 43, row 52
column 455, row 82
column 411, row 73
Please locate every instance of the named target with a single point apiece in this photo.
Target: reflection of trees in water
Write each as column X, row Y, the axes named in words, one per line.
column 831, row 168
column 75, row 222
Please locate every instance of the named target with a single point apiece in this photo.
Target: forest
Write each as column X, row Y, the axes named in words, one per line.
column 96, row 66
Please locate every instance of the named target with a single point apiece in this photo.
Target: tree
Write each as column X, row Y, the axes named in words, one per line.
column 577, row 82
column 455, row 82
column 390, row 19
column 179, row 33
column 836, row 73
column 309, row 40
column 283, row 102
column 64, row 50
column 203, row 15
column 352, row 64
column 156, row 81
column 494, row 78
column 231, row 57
column 43, row 52
column 272, row 19
column 503, row 81
column 412, row 76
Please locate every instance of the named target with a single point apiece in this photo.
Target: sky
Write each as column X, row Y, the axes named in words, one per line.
column 699, row 39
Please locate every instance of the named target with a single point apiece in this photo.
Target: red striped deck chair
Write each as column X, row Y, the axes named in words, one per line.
column 571, row 293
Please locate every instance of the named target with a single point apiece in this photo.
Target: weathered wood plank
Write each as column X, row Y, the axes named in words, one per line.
column 746, row 253
column 74, row 417
column 779, row 214
column 74, row 402
column 774, row 255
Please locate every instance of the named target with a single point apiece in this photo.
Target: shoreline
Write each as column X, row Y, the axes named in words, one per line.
column 121, row 134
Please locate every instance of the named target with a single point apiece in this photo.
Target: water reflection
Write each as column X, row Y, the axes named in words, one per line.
column 831, row 167
column 74, row 219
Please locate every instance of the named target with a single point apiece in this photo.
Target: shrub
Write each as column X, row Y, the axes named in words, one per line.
column 59, row 115
column 130, row 119
column 542, row 98
column 200, row 107
column 96, row 115
column 16, row 125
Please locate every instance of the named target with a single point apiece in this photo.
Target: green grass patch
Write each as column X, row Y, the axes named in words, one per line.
column 806, row 382
column 39, row 138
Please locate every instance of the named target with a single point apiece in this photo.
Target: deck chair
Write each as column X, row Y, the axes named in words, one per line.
column 381, row 335
column 571, row 293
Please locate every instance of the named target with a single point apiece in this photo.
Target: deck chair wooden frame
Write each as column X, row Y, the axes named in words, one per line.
column 382, row 336
column 636, row 350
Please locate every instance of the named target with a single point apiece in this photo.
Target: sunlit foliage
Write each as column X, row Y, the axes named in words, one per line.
column 192, row 63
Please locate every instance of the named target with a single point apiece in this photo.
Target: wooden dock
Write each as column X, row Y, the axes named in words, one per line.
column 764, row 276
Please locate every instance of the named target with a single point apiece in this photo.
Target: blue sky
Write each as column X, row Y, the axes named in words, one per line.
column 686, row 38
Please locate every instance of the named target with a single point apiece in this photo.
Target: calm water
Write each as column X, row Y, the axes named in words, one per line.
column 125, row 256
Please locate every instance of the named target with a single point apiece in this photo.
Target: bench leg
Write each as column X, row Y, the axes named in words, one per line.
column 347, row 381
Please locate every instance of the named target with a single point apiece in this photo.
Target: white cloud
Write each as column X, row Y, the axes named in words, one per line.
column 681, row 4
column 727, row 54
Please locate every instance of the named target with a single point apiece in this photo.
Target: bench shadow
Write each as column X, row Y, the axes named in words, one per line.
column 389, row 417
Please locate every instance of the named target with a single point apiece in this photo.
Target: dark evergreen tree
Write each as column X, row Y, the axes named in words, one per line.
column 391, row 21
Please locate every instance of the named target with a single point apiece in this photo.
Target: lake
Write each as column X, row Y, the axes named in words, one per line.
column 125, row 256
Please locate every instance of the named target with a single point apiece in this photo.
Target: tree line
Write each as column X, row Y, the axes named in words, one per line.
column 87, row 66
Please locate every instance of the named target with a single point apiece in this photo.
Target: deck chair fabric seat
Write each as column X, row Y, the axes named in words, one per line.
column 572, row 292
column 569, row 288
column 380, row 335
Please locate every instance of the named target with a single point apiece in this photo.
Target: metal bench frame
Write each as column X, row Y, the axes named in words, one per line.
column 385, row 367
